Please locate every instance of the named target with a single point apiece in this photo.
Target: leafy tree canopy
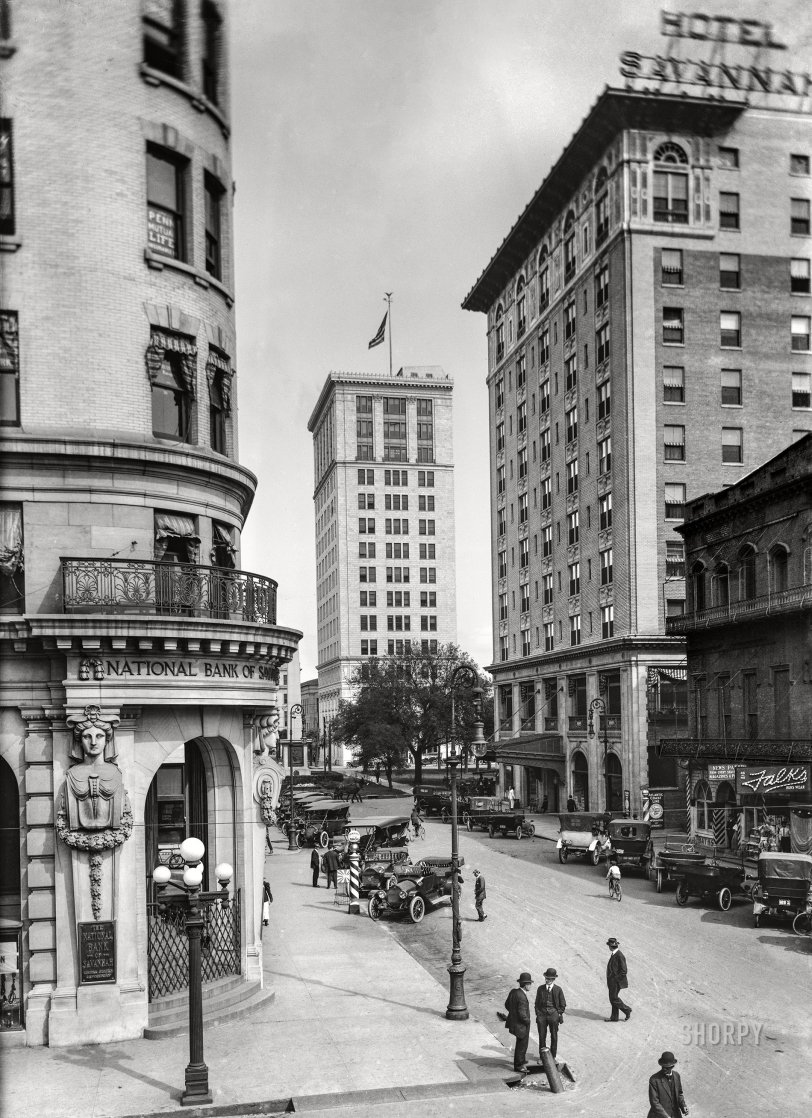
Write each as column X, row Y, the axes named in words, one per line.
column 403, row 703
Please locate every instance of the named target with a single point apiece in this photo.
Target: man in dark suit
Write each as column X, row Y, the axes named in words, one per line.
column 617, row 980
column 665, row 1096
column 550, row 1006
column 330, row 862
column 518, row 1020
column 479, row 895
column 315, row 866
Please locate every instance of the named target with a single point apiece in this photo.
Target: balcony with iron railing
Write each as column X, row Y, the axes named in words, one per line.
column 748, row 609
column 142, row 586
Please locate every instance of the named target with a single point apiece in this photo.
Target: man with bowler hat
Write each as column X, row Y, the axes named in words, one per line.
column 616, row 980
column 518, row 1020
column 665, row 1096
column 550, row 1006
column 315, row 866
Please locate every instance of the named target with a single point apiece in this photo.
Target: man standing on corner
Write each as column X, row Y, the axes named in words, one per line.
column 616, row 980
column 315, row 866
column 479, row 895
column 665, row 1096
column 330, row 862
column 550, row 1006
column 518, row 1020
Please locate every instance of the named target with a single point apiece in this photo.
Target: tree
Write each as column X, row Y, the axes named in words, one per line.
column 404, row 703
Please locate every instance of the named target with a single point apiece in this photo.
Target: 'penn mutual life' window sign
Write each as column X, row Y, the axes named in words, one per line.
column 727, row 37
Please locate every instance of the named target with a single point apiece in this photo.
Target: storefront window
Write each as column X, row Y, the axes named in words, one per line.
column 704, row 806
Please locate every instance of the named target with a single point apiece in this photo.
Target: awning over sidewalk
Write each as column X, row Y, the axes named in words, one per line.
column 540, row 751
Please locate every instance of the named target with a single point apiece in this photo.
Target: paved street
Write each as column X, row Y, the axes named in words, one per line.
column 693, row 971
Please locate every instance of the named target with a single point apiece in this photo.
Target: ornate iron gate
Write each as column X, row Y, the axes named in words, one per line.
column 168, row 945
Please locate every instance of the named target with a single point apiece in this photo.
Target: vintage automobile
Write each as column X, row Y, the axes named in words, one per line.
column 432, row 798
column 581, row 833
column 319, row 822
column 411, row 895
column 377, row 832
column 493, row 814
column 784, row 885
column 676, row 853
column 708, row 882
column 628, row 842
column 383, row 867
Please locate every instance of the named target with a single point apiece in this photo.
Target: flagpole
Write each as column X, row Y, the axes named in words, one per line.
column 388, row 300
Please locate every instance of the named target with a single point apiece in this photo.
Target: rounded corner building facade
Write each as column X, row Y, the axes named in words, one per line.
column 140, row 662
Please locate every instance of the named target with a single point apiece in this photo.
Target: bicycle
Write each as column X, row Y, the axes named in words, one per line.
column 615, row 889
column 802, row 924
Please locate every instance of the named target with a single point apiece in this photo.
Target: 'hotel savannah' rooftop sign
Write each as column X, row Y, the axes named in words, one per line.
column 736, row 62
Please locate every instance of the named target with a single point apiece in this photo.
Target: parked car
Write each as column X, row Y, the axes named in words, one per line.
column 432, row 798
column 382, row 868
column 494, row 814
column 784, row 885
column 320, row 822
column 628, row 842
column 411, row 895
column 581, row 833
column 377, row 832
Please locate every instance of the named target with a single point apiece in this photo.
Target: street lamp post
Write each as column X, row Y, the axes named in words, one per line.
column 600, row 705
column 192, row 851
column 294, row 710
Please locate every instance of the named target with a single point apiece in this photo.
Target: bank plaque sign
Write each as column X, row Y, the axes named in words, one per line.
column 97, row 952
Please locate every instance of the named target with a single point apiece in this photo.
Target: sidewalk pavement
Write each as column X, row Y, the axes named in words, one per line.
column 355, row 1021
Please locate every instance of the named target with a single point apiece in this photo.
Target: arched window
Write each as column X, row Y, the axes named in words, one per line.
column 521, row 308
column 669, row 152
column 544, row 280
column 722, row 585
column 569, row 222
column 569, row 247
column 614, row 782
column 600, row 180
column 500, row 333
column 704, row 806
column 779, row 568
column 698, row 587
column 601, row 207
column 580, row 781
column 747, row 573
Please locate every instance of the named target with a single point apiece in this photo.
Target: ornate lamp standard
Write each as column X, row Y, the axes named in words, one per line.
column 457, row 1009
column 192, row 851
column 600, row 705
column 295, row 710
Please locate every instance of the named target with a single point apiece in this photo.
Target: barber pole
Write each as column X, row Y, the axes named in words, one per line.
column 646, row 804
column 353, row 839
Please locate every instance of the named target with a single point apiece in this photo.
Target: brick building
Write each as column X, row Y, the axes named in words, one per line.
column 125, row 619
column 747, row 755
column 384, row 507
column 648, row 321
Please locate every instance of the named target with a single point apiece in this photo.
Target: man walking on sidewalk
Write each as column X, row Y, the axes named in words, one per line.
column 550, row 1006
column 518, row 1020
column 330, row 863
column 616, row 980
column 479, row 895
column 665, row 1096
column 315, row 866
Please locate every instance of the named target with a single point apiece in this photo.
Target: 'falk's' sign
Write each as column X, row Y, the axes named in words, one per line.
column 769, row 779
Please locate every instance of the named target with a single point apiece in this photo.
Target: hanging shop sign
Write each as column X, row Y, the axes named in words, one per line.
column 763, row 780
column 97, row 952
column 721, row 772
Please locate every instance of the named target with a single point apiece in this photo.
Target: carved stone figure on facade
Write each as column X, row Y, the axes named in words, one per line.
column 268, row 728
column 94, row 811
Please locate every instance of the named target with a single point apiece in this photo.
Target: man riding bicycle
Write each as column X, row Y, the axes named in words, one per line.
column 417, row 822
column 613, row 874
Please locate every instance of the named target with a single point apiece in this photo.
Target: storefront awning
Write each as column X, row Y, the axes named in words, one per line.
column 541, row 751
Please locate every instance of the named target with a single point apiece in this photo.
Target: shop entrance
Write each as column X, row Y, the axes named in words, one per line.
column 11, row 993
column 726, row 817
column 183, row 802
column 614, row 782
column 580, row 781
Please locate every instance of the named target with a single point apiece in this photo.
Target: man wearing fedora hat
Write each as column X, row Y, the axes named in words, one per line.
column 616, row 980
column 550, row 1006
column 665, row 1096
column 518, row 1020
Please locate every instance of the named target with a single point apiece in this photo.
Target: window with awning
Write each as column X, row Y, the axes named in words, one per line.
column 223, row 550
column 176, row 538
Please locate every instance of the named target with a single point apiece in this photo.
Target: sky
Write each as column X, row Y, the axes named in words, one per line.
column 389, row 145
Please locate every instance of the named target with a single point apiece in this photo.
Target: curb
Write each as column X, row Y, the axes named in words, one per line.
column 334, row 1100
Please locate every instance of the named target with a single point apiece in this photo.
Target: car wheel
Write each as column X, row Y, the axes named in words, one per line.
column 563, row 854
column 324, row 840
column 300, row 840
column 417, row 909
column 724, row 898
column 530, row 829
column 491, row 830
column 681, row 895
column 519, row 833
column 374, row 908
column 659, row 881
column 596, row 855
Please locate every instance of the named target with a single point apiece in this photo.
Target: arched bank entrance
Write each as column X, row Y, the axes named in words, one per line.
column 192, row 796
column 614, row 782
column 11, row 967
